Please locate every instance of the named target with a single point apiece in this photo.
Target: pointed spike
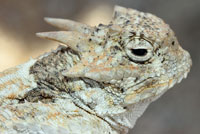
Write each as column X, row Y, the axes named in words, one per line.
column 70, row 74
column 120, row 9
column 94, row 73
column 68, row 24
column 76, row 41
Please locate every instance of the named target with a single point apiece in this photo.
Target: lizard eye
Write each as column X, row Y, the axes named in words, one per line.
column 139, row 50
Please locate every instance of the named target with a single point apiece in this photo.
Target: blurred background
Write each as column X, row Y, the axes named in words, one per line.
column 177, row 112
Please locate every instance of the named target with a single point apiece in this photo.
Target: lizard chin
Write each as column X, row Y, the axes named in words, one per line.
column 138, row 105
column 154, row 86
column 140, row 98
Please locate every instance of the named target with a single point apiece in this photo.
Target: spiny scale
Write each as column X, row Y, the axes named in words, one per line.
column 68, row 25
column 76, row 41
column 120, row 85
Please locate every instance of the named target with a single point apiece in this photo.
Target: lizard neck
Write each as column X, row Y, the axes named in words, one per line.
column 89, row 95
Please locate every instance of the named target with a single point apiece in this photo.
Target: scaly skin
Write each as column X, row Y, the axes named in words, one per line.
column 100, row 83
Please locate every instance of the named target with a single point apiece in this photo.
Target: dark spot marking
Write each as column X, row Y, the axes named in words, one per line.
column 141, row 36
column 125, row 107
column 117, row 48
column 97, row 29
column 136, row 79
column 133, row 33
column 173, row 42
column 163, row 60
column 100, row 25
column 122, row 90
column 128, row 21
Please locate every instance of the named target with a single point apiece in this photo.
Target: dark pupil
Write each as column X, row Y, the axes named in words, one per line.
column 139, row 52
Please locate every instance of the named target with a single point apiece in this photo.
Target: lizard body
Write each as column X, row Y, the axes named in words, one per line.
column 101, row 82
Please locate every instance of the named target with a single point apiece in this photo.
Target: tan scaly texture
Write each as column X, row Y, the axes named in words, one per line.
column 99, row 82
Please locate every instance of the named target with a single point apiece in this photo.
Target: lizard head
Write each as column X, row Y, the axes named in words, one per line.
column 136, row 56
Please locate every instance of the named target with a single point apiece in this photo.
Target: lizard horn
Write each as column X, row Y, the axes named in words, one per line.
column 68, row 24
column 76, row 41
column 120, row 9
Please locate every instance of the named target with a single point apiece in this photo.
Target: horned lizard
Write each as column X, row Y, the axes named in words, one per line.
column 99, row 81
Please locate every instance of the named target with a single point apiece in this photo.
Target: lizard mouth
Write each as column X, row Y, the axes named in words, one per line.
column 150, row 89
column 143, row 96
column 153, row 87
column 139, row 96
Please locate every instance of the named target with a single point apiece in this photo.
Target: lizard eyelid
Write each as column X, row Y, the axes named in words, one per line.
column 139, row 50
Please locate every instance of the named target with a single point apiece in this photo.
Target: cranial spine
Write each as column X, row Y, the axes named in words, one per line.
column 100, row 81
